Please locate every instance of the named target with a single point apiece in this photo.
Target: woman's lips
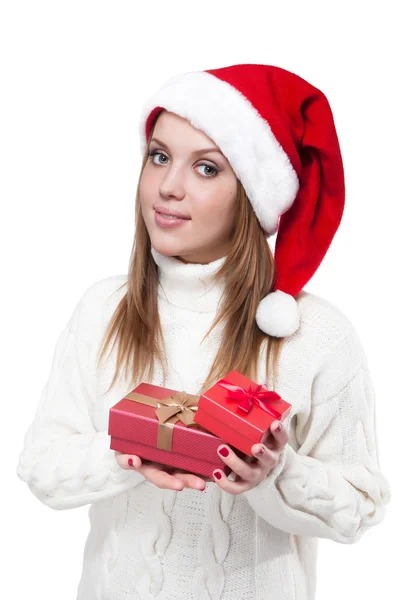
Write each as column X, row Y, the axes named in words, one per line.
column 168, row 221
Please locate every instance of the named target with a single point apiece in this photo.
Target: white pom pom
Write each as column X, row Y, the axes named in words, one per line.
column 278, row 314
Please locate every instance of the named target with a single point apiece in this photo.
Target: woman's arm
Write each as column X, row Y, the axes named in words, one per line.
column 65, row 461
column 332, row 487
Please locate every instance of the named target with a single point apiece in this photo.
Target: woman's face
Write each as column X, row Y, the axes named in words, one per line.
column 181, row 176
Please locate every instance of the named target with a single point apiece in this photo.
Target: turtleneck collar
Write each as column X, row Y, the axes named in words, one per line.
column 189, row 285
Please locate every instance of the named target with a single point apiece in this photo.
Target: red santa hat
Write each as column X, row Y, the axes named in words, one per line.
column 278, row 133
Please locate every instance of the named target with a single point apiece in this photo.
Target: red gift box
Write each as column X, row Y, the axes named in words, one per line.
column 153, row 432
column 240, row 411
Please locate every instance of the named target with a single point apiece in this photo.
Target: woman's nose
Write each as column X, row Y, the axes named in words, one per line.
column 172, row 183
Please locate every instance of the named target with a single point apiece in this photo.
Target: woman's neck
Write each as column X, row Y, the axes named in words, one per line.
column 189, row 285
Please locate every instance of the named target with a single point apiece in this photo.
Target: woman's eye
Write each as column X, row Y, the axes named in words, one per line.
column 155, row 153
column 209, row 167
column 209, row 170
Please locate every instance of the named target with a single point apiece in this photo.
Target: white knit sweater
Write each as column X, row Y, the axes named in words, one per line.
column 147, row 543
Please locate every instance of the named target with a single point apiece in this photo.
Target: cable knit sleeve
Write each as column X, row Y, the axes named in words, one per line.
column 332, row 486
column 65, row 461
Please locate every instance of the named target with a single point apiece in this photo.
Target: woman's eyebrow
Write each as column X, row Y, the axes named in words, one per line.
column 201, row 151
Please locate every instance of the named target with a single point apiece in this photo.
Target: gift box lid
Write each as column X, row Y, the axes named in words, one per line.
column 133, row 421
column 216, row 403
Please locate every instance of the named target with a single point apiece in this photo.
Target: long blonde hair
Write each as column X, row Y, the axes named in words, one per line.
column 249, row 270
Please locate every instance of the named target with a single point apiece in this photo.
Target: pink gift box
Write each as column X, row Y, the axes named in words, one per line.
column 134, row 429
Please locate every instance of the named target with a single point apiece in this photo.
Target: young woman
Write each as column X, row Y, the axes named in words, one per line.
column 230, row 157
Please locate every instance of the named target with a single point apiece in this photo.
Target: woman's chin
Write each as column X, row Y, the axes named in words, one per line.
column 167, row 249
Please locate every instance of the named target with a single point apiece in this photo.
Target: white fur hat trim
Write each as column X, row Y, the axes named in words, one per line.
column 278, row 314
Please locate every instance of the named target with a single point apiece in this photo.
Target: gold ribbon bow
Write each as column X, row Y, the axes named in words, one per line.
column 181, row 406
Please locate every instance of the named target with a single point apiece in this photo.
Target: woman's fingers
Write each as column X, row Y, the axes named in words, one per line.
column 250, row 474
column 155, row 474
column 247, row 471
column 188, row 479
column 175, row 480
column 161, row 475
column 127, row 461
column 191, row 481
column 278, row 437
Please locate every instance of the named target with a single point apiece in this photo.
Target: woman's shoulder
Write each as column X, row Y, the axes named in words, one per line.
column 322, row 316
column 325, row 329
column 105, row 290
column 98, row 302
column 329, row 343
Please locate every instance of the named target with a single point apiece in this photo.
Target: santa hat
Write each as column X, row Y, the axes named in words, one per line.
column 278, row 134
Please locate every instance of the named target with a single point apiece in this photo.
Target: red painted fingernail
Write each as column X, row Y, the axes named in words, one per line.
column 279, row 427
column 261, row 451
column 217, row 474
column 224, row 452
column 130, row 462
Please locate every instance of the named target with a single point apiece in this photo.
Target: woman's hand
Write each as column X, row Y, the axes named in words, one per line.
column 247, row 476
column 161, row 475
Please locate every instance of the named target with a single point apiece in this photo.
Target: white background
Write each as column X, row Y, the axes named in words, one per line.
column 73, row 77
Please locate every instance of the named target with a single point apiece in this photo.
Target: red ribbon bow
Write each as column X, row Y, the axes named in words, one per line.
column 248, row 398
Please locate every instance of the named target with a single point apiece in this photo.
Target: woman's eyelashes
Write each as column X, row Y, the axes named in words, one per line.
column 214, row 169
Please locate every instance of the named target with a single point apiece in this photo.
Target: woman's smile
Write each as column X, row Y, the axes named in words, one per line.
column 166, row 221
